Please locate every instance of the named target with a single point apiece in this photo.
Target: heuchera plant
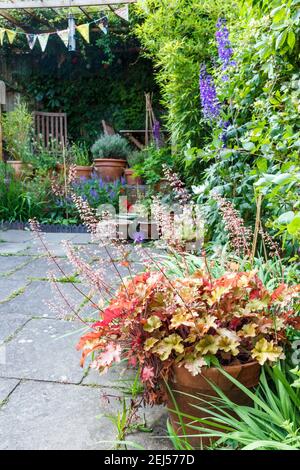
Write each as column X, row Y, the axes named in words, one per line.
column 157, row 323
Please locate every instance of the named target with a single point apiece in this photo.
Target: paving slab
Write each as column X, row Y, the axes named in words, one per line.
column 9, row 326
column 12, row 263
column 44, row 350
column 9, row 287
column 34, row 301
column 14, row 248
column 6, row 387
column 82, row 238
column 118, row 376
column 16, row 236
column 59, row 416
column 40, row 269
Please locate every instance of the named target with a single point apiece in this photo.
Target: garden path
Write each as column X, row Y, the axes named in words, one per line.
column 46, row 400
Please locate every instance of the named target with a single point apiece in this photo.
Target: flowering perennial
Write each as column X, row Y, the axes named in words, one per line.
column 208, row 95
column 225, row 51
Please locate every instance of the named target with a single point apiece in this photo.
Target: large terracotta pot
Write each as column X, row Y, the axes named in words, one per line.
column 19, row 167
column 182, row 381
column 83, row 171
column 131, row 179
column 110, row 169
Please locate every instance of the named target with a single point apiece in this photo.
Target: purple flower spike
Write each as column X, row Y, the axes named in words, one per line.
column 208, row 95
column 224, row 47
column 156, row 132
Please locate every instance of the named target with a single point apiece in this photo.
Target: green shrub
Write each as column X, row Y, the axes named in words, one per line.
column 17, row 129
column 80, row 154
column 111, row 146
column 154, row 159
column 135, row 158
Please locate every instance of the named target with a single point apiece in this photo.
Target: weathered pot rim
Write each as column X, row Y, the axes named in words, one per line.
column 109, row 160
column 183, row 377
column 84, row 167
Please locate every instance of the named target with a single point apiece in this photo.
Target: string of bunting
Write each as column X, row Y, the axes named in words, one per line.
column 66, row 35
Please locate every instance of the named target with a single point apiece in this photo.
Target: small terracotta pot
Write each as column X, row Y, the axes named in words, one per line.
column 83, row 171
column 130, row 178
column 19, row 167
column 59, row 167
column 110, row 169
column 162, row 186
column 182, row 381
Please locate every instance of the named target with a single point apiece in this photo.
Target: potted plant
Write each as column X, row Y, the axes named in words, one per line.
column 135, row 158
column 17, row 127
column 80, row 156
column 110, row 154
column 151, row 168
column 180, row 331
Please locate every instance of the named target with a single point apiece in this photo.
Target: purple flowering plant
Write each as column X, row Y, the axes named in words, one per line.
column 208, row 95
column 97, row 191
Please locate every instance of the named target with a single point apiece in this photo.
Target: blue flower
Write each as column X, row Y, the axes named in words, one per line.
column 208, row 95
column 93, row 193
column 138, row 237
column 225, row 51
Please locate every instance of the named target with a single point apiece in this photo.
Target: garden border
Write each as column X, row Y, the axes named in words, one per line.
column 48, row 228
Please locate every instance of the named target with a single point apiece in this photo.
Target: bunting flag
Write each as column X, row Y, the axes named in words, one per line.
column 31, row 38
column 84, row 30
column 2, row 32
column 67, row 35
column 123, row 12
column 10, row 35
column 103, row 27
column 43, row 40
column 64, row 36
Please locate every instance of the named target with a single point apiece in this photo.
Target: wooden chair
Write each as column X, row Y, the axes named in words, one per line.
column 107, row 128
column 51, row 130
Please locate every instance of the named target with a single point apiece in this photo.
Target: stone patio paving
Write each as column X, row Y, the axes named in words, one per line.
column 46, row 400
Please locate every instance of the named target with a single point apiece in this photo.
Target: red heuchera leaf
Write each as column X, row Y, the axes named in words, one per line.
column 235, row 323
column 255, row 294
column 277, row 292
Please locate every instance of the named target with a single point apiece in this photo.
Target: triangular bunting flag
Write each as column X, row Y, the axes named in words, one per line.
column 123, row 12
column 43, row 40
column 64, row 36
column 2, row 32
column 103, row 27
column 84, row 30
column 31, row 38
column 10, row 35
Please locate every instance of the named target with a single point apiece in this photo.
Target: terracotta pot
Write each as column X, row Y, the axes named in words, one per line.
column 19, row 167
column 162, row 186
column 110, row 169
column 182, row 381
column 60, row 168
column 83, row 171
column 130, row 179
